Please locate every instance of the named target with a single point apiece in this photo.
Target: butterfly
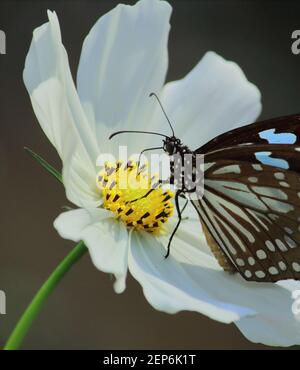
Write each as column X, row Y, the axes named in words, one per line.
column 250, row 208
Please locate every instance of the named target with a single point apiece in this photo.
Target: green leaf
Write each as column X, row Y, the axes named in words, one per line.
column 67, row 208
column 44, row 164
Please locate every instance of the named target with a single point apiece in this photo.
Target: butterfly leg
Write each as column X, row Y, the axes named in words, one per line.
column 160, row 182
column 143, row 151
column 179, row 213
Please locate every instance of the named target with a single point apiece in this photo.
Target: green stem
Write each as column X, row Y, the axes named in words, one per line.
column 34, row 308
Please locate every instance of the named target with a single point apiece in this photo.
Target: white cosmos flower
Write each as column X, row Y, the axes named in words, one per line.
column 123, row 59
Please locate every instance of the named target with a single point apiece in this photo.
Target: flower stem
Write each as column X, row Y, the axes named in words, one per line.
column 34, row 308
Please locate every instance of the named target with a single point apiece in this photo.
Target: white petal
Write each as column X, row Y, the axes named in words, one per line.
column 170, row 287
column 213, row 98
column 105, row 237
column 275, row 324
column 190, row 229
column 56, row 104
column 123, row 59
column 49, row 82
column 79, row 178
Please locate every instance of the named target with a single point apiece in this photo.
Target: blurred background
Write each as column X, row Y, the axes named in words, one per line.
column 84, row 312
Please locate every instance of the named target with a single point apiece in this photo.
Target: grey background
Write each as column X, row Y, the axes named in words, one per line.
column 84, row 312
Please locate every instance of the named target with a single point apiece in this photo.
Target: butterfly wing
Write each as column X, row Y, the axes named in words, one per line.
column 285, row 156
column 283, row 130
column 252, row 212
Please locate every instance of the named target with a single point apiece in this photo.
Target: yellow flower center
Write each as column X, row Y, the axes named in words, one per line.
column 135, row 198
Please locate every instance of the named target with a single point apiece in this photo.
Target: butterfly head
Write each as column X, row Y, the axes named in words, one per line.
column 171, row 145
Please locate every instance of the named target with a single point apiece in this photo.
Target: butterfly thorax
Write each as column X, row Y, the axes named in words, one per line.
column 172, row 145
column 182, row 165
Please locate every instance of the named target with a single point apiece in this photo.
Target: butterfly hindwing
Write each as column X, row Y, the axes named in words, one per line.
column 252, row 212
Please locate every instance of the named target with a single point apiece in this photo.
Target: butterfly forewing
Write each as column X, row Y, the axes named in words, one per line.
column 285, row 156
column 283, row 130
column 252, row 212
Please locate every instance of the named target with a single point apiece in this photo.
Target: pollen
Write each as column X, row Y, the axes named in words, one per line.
column 134, row 197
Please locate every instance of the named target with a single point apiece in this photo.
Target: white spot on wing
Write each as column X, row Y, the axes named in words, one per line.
column 282, row 265
column 270, row 245
column 251, row 261
column 273, row 270
column 240, row 262
column 270, row 192
column 260, row 274
column 281, row 245
column 261, row 254
column 257, row 167
column 284, row 184
column 296, row 266
column 290, row 242
column 253, row 179
column 208, row 165
column 276, row 205
column 279, row 175
column 288, row 230
column 234, row 168
column 248, row 274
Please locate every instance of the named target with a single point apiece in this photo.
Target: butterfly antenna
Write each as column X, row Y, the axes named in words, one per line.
column 164, row 112
column 135, row 132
